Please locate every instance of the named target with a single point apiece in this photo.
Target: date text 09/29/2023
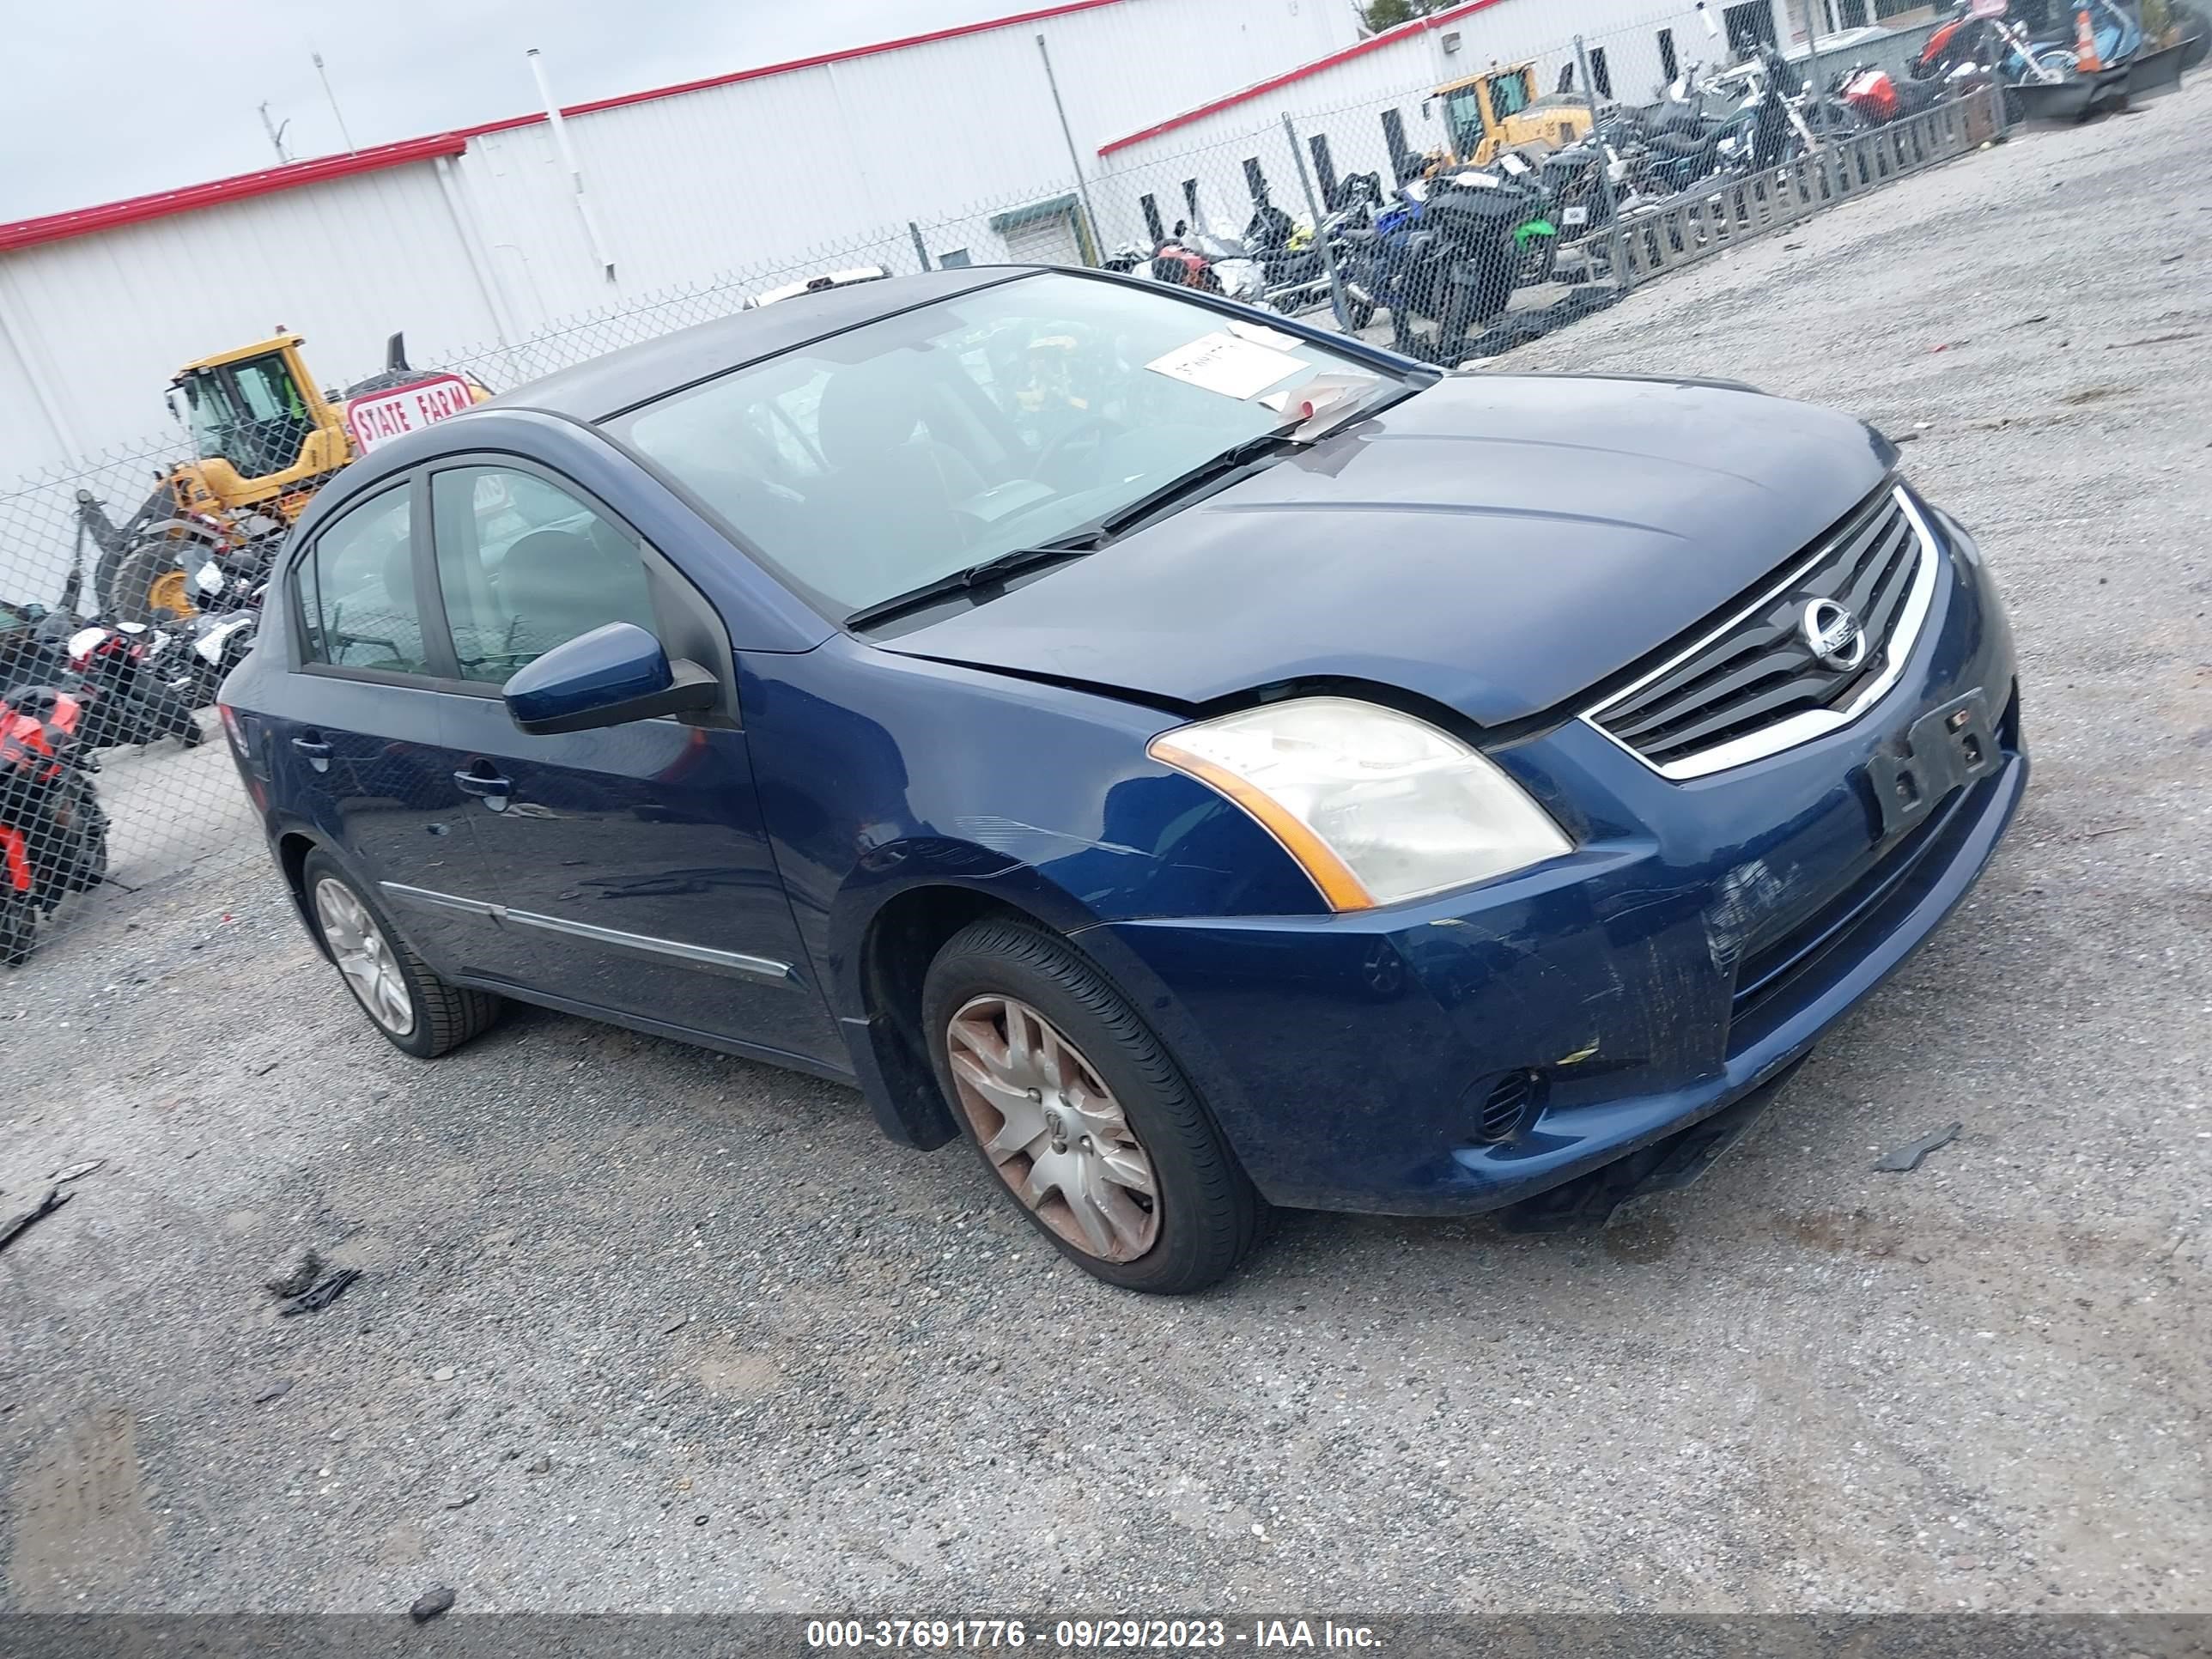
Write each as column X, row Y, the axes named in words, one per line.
column 998, row 1635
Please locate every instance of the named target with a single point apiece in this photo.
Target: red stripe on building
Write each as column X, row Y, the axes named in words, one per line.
column 845, row 57
column 58, row 226
column 1290, row 77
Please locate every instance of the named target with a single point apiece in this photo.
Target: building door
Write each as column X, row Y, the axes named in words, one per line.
column 1050, row 240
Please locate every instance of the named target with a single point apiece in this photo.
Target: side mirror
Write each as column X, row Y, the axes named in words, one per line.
column 609, row 676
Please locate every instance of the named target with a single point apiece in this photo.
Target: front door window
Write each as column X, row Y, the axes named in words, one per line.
column 525, row 566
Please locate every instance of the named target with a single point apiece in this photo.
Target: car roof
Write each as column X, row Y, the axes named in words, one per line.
column 620, row 381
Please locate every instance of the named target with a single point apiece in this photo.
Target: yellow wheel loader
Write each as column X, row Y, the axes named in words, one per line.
column 264, row 440
column 1498, row 110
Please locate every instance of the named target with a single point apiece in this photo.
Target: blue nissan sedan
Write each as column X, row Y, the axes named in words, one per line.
column 1204, row 762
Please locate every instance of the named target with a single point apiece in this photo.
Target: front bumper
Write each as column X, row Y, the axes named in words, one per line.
column 1699, row 940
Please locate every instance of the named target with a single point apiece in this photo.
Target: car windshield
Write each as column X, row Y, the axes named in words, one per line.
column 873, row 463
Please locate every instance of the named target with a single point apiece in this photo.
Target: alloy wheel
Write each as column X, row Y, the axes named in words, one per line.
column 1052, row 1129
column 364, row 957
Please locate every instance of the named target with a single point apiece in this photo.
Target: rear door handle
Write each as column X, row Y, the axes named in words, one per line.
column 488, row 787
column 317, row 752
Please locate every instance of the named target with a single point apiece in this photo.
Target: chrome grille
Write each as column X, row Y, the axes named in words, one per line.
column 1758, row 683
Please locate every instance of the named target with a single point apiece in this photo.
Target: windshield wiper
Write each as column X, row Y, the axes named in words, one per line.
column 1092, row 536
column 1232, row 459
column 991, row 572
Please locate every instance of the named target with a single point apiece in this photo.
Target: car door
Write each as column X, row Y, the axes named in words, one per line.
column 360, row 741
column 631, row 863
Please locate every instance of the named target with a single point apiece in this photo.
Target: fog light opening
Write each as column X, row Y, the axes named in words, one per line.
column 1509, row 1107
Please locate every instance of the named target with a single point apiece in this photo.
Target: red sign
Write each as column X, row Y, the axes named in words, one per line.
column 380, row 416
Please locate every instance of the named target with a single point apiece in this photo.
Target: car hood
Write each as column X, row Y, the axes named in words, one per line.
column 1497, row 543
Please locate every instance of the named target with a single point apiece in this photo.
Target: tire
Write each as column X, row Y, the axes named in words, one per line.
column 1204, row 1214
column 442, row 1017
column 90, row 866
column 1538, row 260
column 2195, row 34
column 19, row 930
column 131, row 588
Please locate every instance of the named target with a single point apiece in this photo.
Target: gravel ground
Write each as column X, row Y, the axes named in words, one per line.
column 643, row 1327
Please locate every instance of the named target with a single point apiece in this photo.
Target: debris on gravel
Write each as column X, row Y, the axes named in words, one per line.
column 53, row 1200
column 1908, row 1156
column 294, row 1272
column 321, row 1296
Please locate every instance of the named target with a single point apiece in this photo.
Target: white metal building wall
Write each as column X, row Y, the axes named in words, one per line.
column 828, row 163
column 954, row 130
column 107, row 319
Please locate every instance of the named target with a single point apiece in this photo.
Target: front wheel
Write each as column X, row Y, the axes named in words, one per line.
column 1084, row 1118
column 1539, row 257
column 1359, row 306
column 149, row 584
column 19, row 929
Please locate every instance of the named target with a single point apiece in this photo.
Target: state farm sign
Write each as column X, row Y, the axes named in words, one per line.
column 381, row 417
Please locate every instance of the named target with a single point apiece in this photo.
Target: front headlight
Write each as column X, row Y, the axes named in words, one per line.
column 1376, row 806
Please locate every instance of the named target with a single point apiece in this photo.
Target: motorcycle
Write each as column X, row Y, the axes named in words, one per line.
column 1294, row 270
column 1878, row 98
column 1178, row 262
column 1230, row 265
column 213, row 645
column 1452, row 253
column 2005, row 45
column 53, row 836
column 133, row 681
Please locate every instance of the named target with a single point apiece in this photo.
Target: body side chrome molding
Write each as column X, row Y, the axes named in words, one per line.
column 765, row 969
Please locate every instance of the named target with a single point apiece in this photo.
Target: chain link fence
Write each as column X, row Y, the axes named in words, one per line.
column 1453, row 215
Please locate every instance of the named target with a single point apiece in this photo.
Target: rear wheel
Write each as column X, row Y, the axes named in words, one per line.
column 1081, row 1114
column 417, row 1013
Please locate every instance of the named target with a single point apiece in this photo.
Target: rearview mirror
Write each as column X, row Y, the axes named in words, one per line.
column 610, row 676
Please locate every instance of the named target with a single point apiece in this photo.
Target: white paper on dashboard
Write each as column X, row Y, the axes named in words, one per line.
column 1223, row 363
column 1261, row 334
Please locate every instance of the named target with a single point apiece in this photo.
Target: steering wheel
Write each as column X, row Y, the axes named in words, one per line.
column 1092, row 423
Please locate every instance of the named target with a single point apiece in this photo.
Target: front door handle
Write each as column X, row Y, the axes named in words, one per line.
column 488, row 787
column 317, row 751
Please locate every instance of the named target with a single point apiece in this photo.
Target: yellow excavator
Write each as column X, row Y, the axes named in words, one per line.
column 1499, row 110
column 264, row 440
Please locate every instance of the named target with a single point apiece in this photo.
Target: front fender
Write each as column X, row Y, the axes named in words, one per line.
column 883, row 776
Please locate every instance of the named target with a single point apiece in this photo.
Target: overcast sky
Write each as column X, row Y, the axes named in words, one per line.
column 113, row 98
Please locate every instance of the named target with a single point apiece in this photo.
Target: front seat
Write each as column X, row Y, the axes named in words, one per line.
column 554, row 585
column 887, row 517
